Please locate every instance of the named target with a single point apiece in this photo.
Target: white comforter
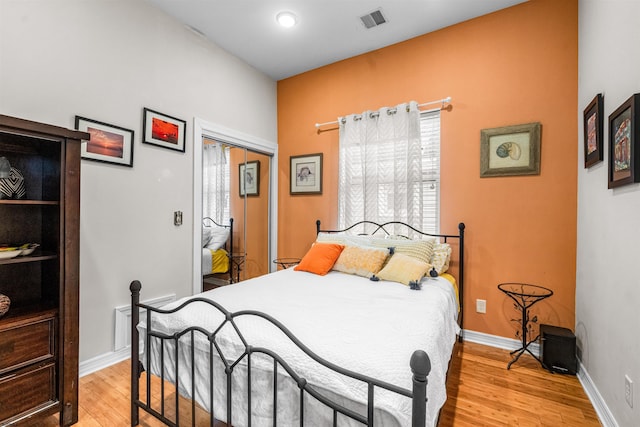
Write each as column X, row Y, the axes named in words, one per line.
column 364, row 326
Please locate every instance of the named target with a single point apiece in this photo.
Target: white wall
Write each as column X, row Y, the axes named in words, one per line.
column 106, row 60
column 608, row 283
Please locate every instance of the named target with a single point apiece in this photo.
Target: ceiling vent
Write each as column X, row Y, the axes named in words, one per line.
column 373, row 19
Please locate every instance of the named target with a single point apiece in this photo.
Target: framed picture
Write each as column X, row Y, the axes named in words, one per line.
column 624, row 158
column 108, row 143
column 593, row 131
column 510, row 150
column 165, row 131
column 306, row 174
column 249, row 178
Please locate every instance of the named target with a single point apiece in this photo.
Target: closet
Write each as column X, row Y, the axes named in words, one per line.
column 236, row 184
column 39, row 332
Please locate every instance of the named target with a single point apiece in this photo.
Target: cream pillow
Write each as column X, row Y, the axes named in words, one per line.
column 404, row 269
column 361, row 261
column 421, row 249
column 441, row 256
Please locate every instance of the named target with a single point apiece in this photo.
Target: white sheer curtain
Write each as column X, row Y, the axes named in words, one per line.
column 215, row 182
column 380, row 166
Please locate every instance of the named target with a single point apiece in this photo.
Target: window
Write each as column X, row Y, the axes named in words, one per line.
column 430, row 139
column 380, row 179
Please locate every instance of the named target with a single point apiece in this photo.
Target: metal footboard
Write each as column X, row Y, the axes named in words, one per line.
column 419, row 364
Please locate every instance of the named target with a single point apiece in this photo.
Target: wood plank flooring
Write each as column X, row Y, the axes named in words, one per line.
column 481, row 392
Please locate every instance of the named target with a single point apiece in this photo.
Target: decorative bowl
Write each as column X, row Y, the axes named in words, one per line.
column 5, row 302
column 9, row 252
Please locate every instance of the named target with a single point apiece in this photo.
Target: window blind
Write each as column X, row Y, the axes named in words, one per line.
column 430, row 138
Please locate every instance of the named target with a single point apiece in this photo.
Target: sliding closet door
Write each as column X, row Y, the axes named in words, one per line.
column 238, row 208
column 249, row 206
column 257, row 216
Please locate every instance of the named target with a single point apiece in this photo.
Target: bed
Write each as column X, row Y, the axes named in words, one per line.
column 217, row 247
column 339, row 348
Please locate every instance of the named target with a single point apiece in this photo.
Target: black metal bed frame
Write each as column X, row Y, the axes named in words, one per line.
column 420, row 364
column 230, row 251
column 384, row 230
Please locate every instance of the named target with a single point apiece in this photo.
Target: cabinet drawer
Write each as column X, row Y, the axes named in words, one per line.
column 26, row 344
column 19, row 394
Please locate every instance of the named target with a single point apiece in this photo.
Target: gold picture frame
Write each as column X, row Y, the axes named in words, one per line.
column 510, row 150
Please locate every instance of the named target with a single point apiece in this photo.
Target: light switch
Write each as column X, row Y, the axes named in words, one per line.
column 177, row 218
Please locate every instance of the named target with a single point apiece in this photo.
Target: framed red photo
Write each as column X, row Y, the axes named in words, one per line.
column 163, row 130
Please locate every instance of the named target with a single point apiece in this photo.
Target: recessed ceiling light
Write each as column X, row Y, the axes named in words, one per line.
column 286, row 19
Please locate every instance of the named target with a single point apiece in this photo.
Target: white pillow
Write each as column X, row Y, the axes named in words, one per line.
column 206, row 236
column 219, row 236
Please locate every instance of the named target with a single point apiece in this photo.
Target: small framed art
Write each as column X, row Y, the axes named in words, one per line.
column 164, row 131
column 510, row 150
column 624, row 157
column 108, row 143
column 306, row 174
column 249, row 178
column 593, row 131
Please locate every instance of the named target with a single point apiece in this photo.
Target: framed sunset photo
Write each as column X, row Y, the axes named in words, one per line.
column 108, row 143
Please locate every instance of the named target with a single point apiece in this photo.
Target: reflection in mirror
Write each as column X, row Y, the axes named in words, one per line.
column 217, row 223
column 236, row 198
column 257, row 215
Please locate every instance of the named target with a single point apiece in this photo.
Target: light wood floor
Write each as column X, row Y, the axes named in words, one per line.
column 481, row 392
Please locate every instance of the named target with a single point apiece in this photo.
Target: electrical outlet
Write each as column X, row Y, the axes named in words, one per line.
column 481, row 306
column 628, row 390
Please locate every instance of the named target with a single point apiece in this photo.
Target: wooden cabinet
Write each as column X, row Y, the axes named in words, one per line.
column 39, row 333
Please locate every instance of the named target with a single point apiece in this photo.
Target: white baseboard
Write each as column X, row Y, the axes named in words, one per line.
column 604, row 414
column 103, row 361
column 599, row 405
column 498, row 342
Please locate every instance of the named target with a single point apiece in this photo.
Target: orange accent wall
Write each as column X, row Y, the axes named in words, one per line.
column 514, row 66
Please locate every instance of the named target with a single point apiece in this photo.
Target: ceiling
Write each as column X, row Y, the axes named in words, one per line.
column 327, row 30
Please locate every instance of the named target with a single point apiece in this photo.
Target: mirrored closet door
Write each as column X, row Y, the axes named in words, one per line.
column 235, row 213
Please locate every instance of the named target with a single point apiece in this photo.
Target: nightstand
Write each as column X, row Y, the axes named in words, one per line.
column 286, row 262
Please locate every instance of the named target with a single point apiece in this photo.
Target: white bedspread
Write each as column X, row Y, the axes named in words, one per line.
column 364, row 326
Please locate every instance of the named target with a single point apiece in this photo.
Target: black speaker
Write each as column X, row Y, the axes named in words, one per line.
column 558, row 349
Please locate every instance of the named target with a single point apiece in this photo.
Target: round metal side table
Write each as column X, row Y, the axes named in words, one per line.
column 525, row 296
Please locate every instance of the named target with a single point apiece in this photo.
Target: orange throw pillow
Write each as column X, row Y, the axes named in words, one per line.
column 320, row 258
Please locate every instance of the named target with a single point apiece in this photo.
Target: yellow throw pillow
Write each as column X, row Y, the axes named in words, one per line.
column 404, row 269
column 361, row 261
column 320, row 258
